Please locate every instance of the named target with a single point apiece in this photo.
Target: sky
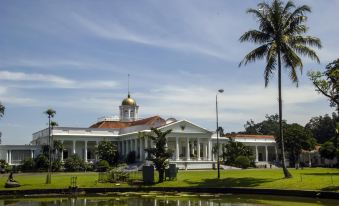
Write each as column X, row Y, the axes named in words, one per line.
column 75, row 56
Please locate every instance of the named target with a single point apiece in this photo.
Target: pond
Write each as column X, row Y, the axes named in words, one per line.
column 157, row 199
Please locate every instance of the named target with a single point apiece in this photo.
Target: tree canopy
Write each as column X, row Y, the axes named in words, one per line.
column 107, row 150
column 159, row 154
column 322, row 127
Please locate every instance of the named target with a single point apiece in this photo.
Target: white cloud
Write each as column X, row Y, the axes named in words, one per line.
column 53, row 81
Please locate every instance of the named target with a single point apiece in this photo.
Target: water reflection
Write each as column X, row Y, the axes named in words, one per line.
column 140, row 200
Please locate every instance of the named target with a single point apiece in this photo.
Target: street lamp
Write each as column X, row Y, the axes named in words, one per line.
column 216, row 110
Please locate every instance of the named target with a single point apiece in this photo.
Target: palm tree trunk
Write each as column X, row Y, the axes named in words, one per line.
column 286, row 172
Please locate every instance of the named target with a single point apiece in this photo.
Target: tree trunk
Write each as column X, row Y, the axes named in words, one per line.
column 161, row 175
column 286, row 172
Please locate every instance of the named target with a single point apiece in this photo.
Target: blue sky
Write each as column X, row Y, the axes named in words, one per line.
column 74, row 56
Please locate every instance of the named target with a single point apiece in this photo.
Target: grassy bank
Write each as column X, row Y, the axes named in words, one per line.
column 307, row 179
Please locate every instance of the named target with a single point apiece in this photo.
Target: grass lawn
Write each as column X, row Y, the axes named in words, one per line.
column 306, row 179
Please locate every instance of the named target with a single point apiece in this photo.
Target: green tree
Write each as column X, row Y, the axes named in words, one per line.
column 281, row 38
column 322, row 127
column 232, row 150
column 107, row 150
column 270, row 126
column 296, row 139
column 160, row 154
column 328, row 150
column 327, row 83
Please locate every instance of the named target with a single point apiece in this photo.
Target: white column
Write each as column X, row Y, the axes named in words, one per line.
column 146, row 146
column 122, row 148
column 32, row 154
column 177, row 148
column 136, row 147
column 7, row 156
column 73, row 146
column 62, row 152
column 96, row 156
column 187, row 149
column 276, row 153
column 10, row 157
column 266, row 153
column 140, row 150
column 256, row 153
column 205, row 151
column 209, row 150
column 198, row 152
column 85, row 159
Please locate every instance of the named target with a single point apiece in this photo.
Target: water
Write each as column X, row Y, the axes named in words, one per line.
column 156, row 199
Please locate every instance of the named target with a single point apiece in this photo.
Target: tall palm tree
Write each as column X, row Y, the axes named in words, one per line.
column 281, row 35
column 50, row 113
column 2, row 110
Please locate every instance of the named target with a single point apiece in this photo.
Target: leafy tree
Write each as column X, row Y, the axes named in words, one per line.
column 107, row 150
column 327, row 83
column 58, row 147
column 2, row 110
column 281, row 38
column 232, row 150
column 297, row 138
column 270, row 126
column 322, row 127
column 41, row 162
column 328, row 150
column 28, row 165
column 102, row 166
column 242, row 162
column 74, row 163
column 160, row 154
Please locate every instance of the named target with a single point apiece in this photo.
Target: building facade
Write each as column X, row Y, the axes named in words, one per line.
column 194, row 146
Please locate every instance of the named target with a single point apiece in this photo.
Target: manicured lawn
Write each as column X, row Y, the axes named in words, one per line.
column 306, row 179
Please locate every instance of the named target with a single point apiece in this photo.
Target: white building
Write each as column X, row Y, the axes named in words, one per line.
column 192, row 144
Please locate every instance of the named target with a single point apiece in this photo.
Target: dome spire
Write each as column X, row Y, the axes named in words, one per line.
column 128, row 94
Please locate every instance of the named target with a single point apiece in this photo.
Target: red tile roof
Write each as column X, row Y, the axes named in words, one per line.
column 252, row 136
column 154, row 121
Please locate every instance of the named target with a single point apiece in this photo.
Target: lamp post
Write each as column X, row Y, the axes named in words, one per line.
column 216, row 111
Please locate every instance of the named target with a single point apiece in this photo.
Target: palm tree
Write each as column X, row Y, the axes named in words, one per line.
column 50, row 112
column 159, row 154
column 2, row 110
column 281, row 38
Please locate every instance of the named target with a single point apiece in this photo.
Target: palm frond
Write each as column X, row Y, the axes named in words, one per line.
column 271, row 60
column 306, row 51
column 255, row 36
column 306, row 40
column 289, row 5
column 292, row 61
column 255, row 54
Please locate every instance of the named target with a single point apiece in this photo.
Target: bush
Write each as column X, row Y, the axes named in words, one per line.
column 74, row 164
column 28, row 165
column 41, row 162
column 102, row 166
column 56, row 165
column 3, row 166
column 117, row 174
column 242, row 162
column 131, row 157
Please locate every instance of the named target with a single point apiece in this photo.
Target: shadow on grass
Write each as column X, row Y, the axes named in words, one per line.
column 330, row 188
column 322, row 174
column 230, row 182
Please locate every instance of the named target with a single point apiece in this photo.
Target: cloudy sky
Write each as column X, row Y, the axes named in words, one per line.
column 74, row 56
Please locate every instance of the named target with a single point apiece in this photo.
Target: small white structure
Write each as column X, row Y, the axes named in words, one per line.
column 192, row 144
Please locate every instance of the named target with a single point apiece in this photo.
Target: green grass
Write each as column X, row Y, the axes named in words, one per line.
column 324, row 179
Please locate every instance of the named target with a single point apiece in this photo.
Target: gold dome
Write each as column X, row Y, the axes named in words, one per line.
column 129, row 101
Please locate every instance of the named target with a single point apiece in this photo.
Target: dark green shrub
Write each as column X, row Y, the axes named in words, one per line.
column 131, row 157
column 74, row 163
column 56, row 165
column 3, row 166
column 102, row 166
column 28, row 165
column 41, row 162
column 108, row 151
column 242, row 162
